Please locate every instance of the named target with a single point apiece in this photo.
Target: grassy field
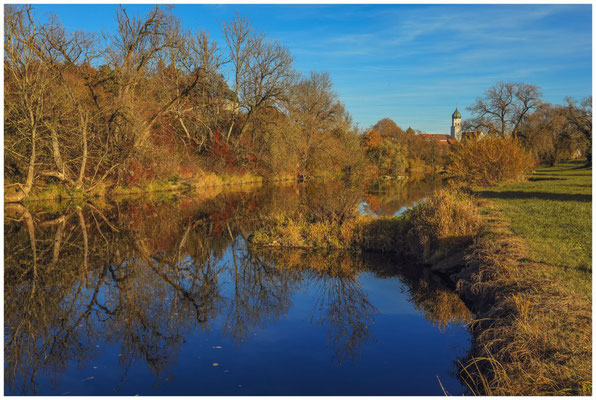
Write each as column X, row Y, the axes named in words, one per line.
column 552, row 212
column 530, row 281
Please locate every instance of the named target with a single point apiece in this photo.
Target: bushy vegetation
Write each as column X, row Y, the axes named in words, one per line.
column 446, row 222
column 552, row 136
column 391, row 151
column 439, row 226
column 552, row 132
column 388, row 157
column 489, row 160
column 155, row 102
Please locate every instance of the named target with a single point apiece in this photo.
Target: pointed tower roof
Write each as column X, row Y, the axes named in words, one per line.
column 456, row 114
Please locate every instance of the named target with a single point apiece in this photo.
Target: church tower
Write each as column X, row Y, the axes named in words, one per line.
column 456, row 125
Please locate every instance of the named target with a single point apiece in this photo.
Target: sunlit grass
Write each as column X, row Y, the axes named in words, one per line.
column 552, row 212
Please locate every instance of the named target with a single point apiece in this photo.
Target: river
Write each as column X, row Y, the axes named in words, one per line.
column 162, row 296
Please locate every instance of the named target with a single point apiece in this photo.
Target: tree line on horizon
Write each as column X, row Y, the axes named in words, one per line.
column 511, row 111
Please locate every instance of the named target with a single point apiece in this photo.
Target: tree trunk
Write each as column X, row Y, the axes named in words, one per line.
column 57, row 156
column 22, row 191
column 84, row 160
column 31, row 170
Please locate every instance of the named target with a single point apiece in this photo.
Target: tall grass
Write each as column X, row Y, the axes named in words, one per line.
column 447, row 221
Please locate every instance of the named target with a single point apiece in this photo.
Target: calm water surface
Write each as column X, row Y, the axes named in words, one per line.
column 162, row 296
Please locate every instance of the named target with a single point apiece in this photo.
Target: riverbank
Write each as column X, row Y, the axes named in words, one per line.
column 551, row 212
column 528, row 279
column 206, row 181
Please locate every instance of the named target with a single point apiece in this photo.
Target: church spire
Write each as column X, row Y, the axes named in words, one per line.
column 456, row 125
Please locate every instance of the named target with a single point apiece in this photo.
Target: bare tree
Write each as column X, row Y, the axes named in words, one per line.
column 268, row 79
column 200, row 112
column 262, row 70
column 26, row 88
column 581, row 118
column 135, row 51
column 504, row 107
column 238, row 37
column 66, row 55
column 527, row 98
column 316, row 110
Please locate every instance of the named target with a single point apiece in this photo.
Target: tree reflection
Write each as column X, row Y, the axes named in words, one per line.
column 341, row 304
column 388, row 198
column 427, row 292
column 143, row 274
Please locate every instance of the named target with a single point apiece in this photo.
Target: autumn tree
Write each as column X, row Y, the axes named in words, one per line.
column 325, row 134
column 387, row 128
column 262, row 75
column 388, row 156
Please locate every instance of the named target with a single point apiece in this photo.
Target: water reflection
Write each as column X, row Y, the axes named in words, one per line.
column 393, row 197
column 146, row 275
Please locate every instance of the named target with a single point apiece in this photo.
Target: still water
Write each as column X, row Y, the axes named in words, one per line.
column 162, row 296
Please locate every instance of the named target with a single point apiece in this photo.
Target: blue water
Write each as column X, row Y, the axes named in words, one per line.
column 377, row 343
column 165, row 301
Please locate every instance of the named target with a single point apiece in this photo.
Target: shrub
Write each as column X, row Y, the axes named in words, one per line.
column 489, row 160
column 446, row 222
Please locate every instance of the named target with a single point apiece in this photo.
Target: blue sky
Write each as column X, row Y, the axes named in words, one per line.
column 411, row 63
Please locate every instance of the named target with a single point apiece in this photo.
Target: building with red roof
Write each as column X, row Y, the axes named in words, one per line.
column 443, row 140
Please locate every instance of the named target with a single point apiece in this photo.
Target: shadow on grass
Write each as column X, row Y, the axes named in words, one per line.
column 511, row 194
column 584, row 175
column 545, row 179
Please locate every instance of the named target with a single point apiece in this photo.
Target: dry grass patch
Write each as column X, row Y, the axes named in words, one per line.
column 443, row 224
column 446, row 222
column 532, row 335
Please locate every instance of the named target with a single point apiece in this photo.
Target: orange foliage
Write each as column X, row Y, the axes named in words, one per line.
column 372, row 138
column 489, row 161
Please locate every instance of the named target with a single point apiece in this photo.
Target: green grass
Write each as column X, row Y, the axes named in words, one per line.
column 552, row 212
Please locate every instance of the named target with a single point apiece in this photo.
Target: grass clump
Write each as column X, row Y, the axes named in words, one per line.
column 446, row 222
column 489, row 160
column 298, row 232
